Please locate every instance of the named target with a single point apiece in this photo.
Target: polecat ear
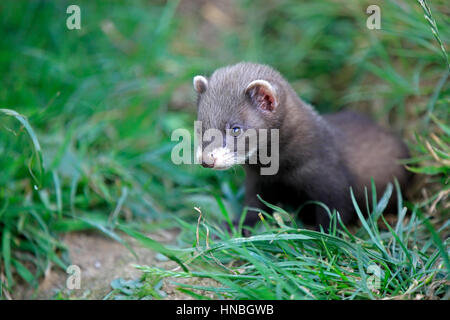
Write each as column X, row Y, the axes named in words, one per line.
column 200, row 84
column 262, row 94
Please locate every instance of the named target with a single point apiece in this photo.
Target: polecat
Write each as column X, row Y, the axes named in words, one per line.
column 320, row 157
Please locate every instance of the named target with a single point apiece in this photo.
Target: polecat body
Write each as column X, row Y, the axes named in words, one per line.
column 320, row 157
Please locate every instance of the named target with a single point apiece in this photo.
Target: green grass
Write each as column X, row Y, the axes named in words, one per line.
column 283, row 262
column 86, row 118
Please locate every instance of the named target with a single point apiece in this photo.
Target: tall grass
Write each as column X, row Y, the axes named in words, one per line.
column 284, row 262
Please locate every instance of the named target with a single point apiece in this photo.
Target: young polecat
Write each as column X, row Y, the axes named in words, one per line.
column 320, row 157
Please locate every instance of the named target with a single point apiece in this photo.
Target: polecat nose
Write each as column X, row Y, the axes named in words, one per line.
column 207, row 165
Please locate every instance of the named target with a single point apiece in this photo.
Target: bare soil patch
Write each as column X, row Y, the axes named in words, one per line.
column 101, row 260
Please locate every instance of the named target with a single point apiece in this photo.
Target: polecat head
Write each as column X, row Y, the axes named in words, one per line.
column 233, row 105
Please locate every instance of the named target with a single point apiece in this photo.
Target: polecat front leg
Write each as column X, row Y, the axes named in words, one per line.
column 253, row 187
column 331, row 187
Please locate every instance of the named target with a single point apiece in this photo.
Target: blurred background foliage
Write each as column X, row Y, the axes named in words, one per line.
column 89, row 144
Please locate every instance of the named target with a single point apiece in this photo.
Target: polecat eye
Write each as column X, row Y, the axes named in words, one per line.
column 236, row 131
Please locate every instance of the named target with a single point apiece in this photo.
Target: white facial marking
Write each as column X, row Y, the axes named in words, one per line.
column 224, row 158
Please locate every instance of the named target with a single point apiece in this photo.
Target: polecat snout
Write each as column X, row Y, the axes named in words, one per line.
column 318, row 157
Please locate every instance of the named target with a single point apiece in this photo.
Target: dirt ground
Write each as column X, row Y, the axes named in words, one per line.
column 101, row 260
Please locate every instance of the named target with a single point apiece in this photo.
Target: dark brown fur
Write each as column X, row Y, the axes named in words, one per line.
column 321, row 157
